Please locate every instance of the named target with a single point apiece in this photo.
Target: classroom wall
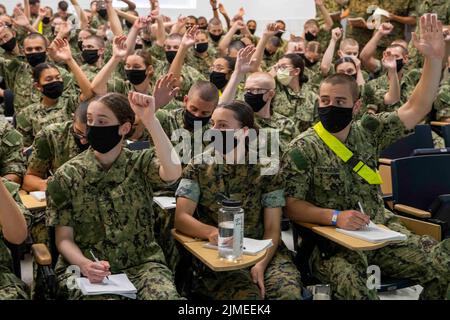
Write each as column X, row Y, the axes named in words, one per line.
column 293, row 12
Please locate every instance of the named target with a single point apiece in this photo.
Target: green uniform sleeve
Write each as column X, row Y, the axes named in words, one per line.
column 59, row 202
column 40, row 159
column 296, row 172
column 11, row 158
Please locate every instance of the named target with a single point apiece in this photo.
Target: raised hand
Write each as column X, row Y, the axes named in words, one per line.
column 385, row 28
column 20, row 18
column 65, row 27
column 241, row 12
column 120, row 46
column 222, row 9
column 141, row 23
column 319, row 2
column 213, row 3
column 143, row 106
column 389, row 62
column 431, row 42
column 238, row 25
column 189, row 37
column 61, row 50
column 336, row 34
column 244, row 62
column 42, row 12
column 165, row 90
column 271, row 30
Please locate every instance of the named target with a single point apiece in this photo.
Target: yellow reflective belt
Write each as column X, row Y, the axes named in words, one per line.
column 364, row 171
column 40, row 27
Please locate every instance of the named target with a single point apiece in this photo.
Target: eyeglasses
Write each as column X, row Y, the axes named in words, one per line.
column 256, row 91
column 77, row 135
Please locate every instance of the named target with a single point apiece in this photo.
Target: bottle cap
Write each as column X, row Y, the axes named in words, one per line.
column 231, row 203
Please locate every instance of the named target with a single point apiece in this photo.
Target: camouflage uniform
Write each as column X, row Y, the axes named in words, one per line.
column 201, row 184
column 19, row 79
column 97, row 21
column 315, row 174
column 324, row 36
column 315, row 77
column 373, row 92
column 188, row 74
column 300, row 107
column 11, row 145
column 116, row 82
column 358, row 9
column 286, row 127
column 11, row 287
column 110, row 212
column 439, row 7
column 442, row 102
column 35, row 117
column 200, row 64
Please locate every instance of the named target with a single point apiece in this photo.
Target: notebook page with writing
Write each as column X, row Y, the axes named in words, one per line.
column 374, row 233
column 117, row 284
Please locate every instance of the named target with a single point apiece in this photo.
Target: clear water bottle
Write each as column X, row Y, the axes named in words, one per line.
column 231, row 230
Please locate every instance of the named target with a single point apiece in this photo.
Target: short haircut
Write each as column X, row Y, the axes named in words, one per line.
column 275, row 41
column 314, row 46
column 205, row 91
column 215, row 22
column 404, row 50
column 348, row 42
column 400, row 42
column 174, row 36
column 63, row 5
column 236, row 44
column 98, row 40
column 193, row 17
column 311, row 22
column 282, row 22
column 33, row 2
column 35, row 35
column 341, row 78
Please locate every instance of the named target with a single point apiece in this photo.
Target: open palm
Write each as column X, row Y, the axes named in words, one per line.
column 431, row 42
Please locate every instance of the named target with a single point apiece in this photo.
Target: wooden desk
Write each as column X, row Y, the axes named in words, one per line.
column 30, row 202
column 344, row 240
column 211, row 258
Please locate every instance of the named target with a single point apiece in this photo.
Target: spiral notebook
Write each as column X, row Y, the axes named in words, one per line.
column 116, row 284
column 375, row 234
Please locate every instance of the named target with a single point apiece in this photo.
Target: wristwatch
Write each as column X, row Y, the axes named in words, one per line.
column 334, row 217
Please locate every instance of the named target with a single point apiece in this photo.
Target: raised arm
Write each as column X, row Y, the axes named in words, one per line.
column 367, row 55
column 178, row 26
column 225, row 15
column 39, row 18
column 393, row 95
column 269, row 32
column 226, row 39
column 328, row 22
column 114, row 22
column 12, row 221
column 412, row 21
column 138, row 25
column 84, row 23
column 244, row 65
column 170, row 164
column 164, row 90
column 187, row 42
column 131, row 5
column 431, row 45
column 127, row 16
column 26, row 8
column 63, row 53
column 22, row 21
column 214, row 8
column 99, row 84
column 327, row 59
column 160, row 28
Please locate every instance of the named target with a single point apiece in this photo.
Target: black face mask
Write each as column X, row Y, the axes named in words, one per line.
column 238, row 33
column 201, row 47
column 256, row 101
column 80, row 45
column 138, row 46
column 354, row 76
column 53, row 90
column 103, row 139
column 309, row 36
column 203, row 27
column 219, row 79
column 224, row 146
column 148, row 43
column 9, row 45
column 400, row 64
column 136, row 76
column 35, row 58
column 90, row 56
column 279, row 34
column 252, row 31
column 53, row 29
column 128, row 24
column 310, row 64
column 170, row 56
column 81, row 147
column 189, row 120
column 102, row 13
column 267, row 53
column 335, row 119
column 46, row 20
column 215, row 38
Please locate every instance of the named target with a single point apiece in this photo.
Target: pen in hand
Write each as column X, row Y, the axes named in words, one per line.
column 362, row 211
column 96, row 260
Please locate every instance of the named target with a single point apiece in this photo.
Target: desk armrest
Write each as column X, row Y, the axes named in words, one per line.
column 385, row 161
column 412, row 211
column 41, row 254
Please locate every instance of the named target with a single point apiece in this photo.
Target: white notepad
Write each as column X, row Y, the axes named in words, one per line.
column 165, row 202
column 375, row 234
column 38, row 195
column 251, row 246
column 116, row 284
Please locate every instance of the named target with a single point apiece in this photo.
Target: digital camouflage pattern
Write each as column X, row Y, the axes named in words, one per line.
column 35, row 117
column 201, row 64
column 442, row 102
column 11, row 287
column 203, row 184
column 301, row 107
column 11, row 145
column 314, row 75
column 96, row 204
column 313, row 173
column 286, row 127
